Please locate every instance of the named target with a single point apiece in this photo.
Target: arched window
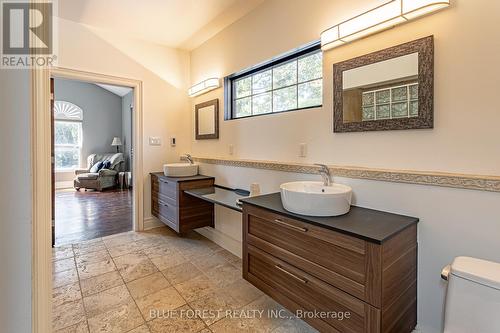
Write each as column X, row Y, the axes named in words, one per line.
column 68, row 119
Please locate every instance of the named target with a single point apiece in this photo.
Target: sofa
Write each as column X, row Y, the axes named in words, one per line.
column 97, row 178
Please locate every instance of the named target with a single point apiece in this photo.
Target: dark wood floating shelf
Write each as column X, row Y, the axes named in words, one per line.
column 363, row 263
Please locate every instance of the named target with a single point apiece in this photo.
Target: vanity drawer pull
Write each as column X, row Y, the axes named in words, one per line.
column 290, row 225
column 162, row 203
column 163, row 181
column 290, row 274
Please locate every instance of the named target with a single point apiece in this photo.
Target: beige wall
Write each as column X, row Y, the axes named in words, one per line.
column 465, row 138
column 164, row 73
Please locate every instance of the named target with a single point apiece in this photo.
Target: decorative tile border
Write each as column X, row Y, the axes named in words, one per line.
column 471, row 182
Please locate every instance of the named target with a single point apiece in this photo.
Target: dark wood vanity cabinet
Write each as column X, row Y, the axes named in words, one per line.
column 180, row 211
column 356, row 283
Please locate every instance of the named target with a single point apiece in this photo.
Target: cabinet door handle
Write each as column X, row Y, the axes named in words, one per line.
column 162, row 203
column 290, row 225
column 163, row 181
column 290, row 274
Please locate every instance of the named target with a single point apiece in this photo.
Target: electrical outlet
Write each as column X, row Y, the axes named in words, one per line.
column 154, row 141
column 231, row 149
column 303, row 150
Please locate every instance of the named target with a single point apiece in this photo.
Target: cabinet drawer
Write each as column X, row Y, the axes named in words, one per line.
column 331, row 256
column 164, row 187
column 165, row 208
column 344, row 312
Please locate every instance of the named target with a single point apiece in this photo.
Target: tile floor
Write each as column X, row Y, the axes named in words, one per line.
column 156, row 282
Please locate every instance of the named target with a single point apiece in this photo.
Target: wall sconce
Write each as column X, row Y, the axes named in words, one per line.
column 203, row 87
column 377, row 19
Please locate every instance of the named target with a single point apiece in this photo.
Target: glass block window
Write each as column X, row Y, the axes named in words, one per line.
column 291, row 82
column 400, row 101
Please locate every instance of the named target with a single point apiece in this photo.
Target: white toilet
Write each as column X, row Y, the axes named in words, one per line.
column 473, row 297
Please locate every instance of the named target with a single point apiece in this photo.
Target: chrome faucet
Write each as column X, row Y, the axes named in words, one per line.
column 189, row 158
column 324, row 171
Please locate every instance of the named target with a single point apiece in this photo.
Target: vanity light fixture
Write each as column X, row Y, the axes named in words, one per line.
column 204, row 86
column 377, row 19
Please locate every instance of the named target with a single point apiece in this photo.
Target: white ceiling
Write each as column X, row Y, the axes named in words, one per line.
column 117, row 90
column 175, row 23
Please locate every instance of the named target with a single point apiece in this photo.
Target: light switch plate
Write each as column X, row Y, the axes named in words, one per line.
column 231, row 149
column 154, row 141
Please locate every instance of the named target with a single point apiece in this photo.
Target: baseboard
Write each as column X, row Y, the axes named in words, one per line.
column 66, row 184
column 152, row 222
column 230, row 244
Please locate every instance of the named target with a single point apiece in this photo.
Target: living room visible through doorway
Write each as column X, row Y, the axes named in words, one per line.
column 92, row 160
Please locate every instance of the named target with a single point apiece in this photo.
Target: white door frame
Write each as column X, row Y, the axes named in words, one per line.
column 42, row 184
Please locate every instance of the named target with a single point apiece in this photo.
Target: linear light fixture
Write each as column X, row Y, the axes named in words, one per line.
column 377, row 19
column 203, row 87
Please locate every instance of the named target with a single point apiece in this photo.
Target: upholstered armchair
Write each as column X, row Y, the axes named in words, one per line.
column 97, row 178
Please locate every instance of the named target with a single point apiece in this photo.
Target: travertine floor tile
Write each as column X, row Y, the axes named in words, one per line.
column 81, row 327
column 66, row 294
column 231, row 258
column 160, row 301
column 89, row 270
column 133, row 266
column 120, row 239
column 184, row 322
column 147, row 285
column 213, row 306
column 193, row 269
column 224, row 275
column 169, row 260
column 195, row 288
column 63, row 265
column 123, row 249
column 208, row 261
column 159, row 250
column 243, row 292
column 122, row 318
column 100, row 283
column 65, row 277
column 67, row 315
column 106, row 300
column 62, row 252
column 92, row 257
column 141, row 329
column 88, row 247
column 181, row 273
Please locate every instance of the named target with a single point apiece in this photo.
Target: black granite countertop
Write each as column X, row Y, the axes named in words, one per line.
column 181, row 179
column 368, row 224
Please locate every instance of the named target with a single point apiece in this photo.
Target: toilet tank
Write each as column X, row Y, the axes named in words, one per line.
column 473, row 296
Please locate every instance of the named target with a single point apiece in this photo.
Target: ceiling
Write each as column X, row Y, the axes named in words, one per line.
column 117, row 90
column 183, row 24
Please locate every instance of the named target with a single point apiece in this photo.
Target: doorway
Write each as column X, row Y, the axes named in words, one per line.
column 92, row 159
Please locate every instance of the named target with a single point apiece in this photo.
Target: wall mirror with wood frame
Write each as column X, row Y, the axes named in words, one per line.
column 207, row 120
column 391, row 89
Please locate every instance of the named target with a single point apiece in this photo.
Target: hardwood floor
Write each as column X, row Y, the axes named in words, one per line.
column 87, row 215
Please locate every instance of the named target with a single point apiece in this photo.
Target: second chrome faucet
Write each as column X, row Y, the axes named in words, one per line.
column 324, row 171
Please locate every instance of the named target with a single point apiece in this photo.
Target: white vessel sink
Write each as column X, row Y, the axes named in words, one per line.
column 180, row 169
column 315, row 199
